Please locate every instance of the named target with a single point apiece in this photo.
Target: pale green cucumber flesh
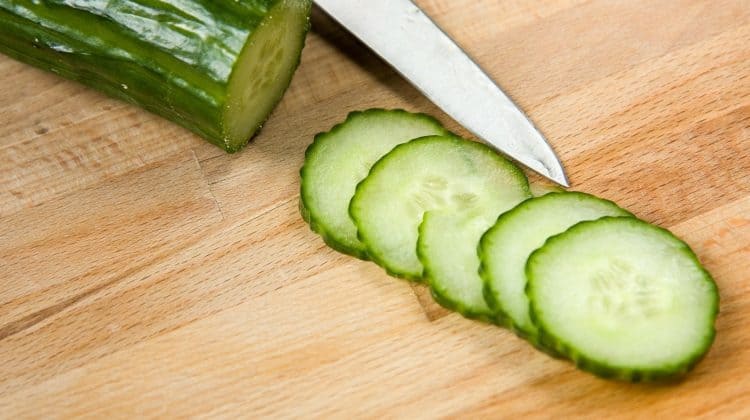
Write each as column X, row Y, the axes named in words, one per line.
column 430, row 173
column 623, row 299
column 264, row 70
column 340, row 158
column 506, row 246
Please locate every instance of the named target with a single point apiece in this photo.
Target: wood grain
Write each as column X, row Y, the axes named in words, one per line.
column 144, row 273
column 107, row 231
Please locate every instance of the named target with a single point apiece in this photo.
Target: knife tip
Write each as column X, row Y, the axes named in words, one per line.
column 563, row 180
column 549, row 168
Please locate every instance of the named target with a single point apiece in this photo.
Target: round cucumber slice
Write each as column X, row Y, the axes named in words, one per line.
column 431, row 173
column 623, row 299
column 506, row 246
column 339, row 159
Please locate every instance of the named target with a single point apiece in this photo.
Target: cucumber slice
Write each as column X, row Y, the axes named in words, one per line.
column 623, row 299
column 339, row 159
column 430, row 173
column 447, row 248
column 505, row 247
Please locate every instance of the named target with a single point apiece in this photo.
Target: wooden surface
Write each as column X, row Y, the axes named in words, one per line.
column 144, row 272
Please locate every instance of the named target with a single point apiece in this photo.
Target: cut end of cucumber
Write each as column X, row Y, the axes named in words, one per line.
column 623, row 299
column 264, row 70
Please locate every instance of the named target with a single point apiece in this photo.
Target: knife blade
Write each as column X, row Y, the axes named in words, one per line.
column 405, row 37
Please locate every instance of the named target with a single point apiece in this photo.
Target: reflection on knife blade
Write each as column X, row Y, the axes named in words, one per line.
column 416, row 47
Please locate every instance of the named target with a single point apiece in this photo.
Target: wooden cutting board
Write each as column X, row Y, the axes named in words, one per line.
column 144, row 272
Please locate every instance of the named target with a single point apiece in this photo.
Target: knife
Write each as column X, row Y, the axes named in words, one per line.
column 406, row 38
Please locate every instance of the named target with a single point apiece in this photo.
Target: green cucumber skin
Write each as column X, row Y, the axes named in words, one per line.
column 499, row 319
column 374, row 257
column 309, row 216
column 175, row 60
column 602, row 369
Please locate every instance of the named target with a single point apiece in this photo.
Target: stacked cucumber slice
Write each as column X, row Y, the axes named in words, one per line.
column 339, row 159
column 575, row 275
column 527, row 227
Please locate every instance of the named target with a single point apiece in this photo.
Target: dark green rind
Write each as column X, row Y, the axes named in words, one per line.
column 465, row 311
column 322, row 232
column 667, row 373
column 374, row 257
column 316, row 222
column 142, row 52
column 489, row 292
column 441, row 297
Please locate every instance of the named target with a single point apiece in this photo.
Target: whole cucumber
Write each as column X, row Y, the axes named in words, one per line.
column 216, row 67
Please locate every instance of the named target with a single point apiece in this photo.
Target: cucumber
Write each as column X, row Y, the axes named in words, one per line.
column 339, row 159
column 444, row 173
column 505, row 247
column 623, row 299
column 216, row 67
